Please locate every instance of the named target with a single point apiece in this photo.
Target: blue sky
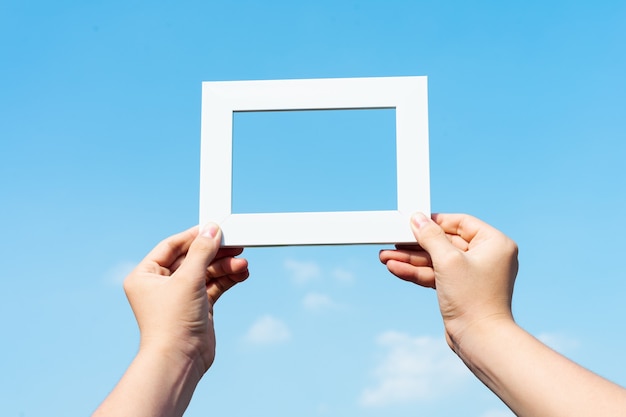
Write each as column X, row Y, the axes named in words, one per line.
column 99, row 160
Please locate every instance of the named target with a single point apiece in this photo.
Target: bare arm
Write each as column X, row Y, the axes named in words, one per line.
column 172, row 293
column 534, row 380
column 473, row 268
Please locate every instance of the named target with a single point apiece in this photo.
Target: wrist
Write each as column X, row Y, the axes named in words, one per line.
column 484, row 346
column 158, row 382
column 464, row 333
column 185, row 360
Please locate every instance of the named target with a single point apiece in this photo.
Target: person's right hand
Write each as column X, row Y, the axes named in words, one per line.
column 470, row 264
column 173, row 290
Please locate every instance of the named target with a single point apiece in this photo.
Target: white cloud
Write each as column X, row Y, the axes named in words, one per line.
column 302, row 272
column 498, row 413
column 317, row 302
column 343, row 275
column 118, row 272
column 413, row 369
column 558, row 341
column 267, row 330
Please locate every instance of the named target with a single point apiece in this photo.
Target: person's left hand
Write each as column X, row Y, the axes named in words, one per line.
column 173, row 290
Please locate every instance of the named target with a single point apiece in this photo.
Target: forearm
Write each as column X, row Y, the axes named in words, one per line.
column 532, row 379
column 155, row 384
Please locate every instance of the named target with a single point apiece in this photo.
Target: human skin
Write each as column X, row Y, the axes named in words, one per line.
column 172, row 293
column 473, row 267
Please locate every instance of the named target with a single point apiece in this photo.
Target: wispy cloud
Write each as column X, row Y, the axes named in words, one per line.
column 116, row 274
column 413, row 369
column 558, row 341
column 343, row 275
column 318, row 302
column 267, row 330
column 301, row 271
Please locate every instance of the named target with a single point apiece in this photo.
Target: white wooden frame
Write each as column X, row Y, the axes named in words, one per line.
column 408, row 95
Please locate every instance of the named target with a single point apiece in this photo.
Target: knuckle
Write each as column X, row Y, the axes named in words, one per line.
column 129, row 284
column 510, row 247
column 216, row 269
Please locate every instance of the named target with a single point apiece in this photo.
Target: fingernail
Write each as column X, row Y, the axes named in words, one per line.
column 419, row 220
column 209, row 230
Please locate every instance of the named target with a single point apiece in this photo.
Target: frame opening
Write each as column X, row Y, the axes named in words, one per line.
column 314, row 161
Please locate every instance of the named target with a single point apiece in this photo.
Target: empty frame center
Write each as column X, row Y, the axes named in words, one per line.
column 314, row 161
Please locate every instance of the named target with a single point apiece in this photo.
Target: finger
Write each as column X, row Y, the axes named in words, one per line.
column 415, row 258
column 226, row 266
column 458, row 241
column 177, row 263
column 463, row 225
column 170, row 249
column 431, row 236
column 404, row 246
column 420, row 275
column 218, row 286
column 201, row 252
column 221, row 253
column 152, row 268
column 225, row 252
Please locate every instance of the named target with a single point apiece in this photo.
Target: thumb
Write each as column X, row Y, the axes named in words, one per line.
column 201, row 252
column 431, row 237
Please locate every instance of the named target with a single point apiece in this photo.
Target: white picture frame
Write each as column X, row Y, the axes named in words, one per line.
column 220, row 99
